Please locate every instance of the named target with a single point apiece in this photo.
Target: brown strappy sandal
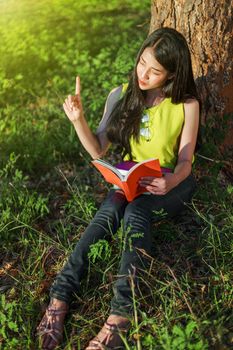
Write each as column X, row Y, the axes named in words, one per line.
column 111, row 331
column 50, row 329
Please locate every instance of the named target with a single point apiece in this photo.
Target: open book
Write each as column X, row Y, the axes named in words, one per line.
column 127, row 180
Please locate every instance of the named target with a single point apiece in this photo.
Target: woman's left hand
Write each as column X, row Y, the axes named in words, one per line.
column 159, row 185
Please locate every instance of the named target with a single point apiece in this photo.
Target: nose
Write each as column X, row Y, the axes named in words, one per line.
column 144, row 74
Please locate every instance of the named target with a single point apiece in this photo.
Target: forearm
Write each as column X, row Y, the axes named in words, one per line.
column 88, row 139
column 95, row 144
column 163, row 185
column 181, row 171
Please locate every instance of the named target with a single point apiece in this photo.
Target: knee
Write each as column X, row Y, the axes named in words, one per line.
column 113, row 205
column 106, row 214
column 107, row 218
column 135, row 213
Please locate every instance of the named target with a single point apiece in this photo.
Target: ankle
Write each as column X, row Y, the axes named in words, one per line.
column 58, row 304
column 117, row 319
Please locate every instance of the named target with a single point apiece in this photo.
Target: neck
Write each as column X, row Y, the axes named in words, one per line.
column 154, row 92
column 154, row 97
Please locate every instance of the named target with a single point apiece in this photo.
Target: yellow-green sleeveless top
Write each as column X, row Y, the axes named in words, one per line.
column 160, row 132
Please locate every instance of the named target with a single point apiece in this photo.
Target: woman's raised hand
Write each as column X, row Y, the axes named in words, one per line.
column 73, row 104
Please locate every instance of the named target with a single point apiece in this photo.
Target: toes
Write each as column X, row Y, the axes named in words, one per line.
column 46, row 341
column 49, row 343
column 52, row 345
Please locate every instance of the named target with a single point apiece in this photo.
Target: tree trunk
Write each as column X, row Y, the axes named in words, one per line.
column 208, row 27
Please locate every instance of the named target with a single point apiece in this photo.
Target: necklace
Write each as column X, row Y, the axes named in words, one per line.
column 145, row 130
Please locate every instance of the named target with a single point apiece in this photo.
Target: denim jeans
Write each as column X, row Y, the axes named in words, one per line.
column 137, row 216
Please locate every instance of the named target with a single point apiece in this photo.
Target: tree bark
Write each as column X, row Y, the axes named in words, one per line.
column 208, row 27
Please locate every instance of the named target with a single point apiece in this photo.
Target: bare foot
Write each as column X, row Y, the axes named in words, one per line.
column 110, row 335
column 50, row 329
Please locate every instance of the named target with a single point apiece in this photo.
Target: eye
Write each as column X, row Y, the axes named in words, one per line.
column 141, row 61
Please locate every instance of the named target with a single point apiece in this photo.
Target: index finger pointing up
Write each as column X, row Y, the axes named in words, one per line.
column 77, row 88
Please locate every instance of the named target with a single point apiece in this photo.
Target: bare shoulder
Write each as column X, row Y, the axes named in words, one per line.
column 191, row 110
column 191, row 104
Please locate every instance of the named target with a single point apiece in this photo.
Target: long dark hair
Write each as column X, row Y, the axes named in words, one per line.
column 172, row 52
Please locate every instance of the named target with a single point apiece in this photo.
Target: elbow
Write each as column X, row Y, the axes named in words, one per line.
column 96, row 155
column 100, row 149
column 186, row 164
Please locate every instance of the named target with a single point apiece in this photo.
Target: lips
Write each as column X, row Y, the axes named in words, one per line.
column 142, row 82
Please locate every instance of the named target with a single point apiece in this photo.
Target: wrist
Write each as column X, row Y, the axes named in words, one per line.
column 174, row 179
column 78, row 120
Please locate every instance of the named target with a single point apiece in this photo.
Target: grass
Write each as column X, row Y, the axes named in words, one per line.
column 47, row 197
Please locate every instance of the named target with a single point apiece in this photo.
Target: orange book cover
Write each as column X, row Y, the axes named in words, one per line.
column 127, row 180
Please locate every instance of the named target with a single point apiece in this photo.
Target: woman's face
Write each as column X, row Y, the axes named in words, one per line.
column 151, row 75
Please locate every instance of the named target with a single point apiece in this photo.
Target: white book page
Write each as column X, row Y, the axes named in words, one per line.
column 116, row 171
column 123, row 172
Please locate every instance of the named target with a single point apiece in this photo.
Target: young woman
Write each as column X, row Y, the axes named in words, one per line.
column 155, row 115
